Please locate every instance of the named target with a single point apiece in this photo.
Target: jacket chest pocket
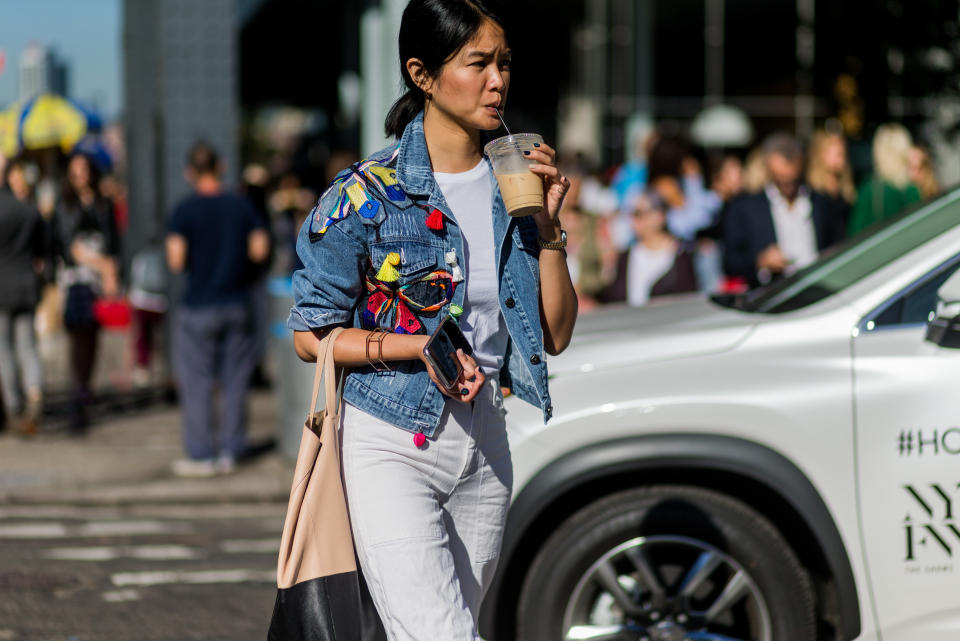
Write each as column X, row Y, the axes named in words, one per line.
column 405, row 285
column 402, row 262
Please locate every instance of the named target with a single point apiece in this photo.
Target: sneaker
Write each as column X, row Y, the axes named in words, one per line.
column 226, row 464
column 194, row 468
column 140, row 377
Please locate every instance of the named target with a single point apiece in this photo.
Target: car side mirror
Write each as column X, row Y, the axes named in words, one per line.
column 944, row 328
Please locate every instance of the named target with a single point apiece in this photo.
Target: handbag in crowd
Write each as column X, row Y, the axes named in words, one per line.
column 320, row 596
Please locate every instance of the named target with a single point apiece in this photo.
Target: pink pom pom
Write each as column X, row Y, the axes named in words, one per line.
column 419, row 439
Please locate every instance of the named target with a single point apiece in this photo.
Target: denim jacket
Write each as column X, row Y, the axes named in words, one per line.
column 343, row 243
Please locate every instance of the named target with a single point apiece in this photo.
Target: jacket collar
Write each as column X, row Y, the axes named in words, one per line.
column 415, row 175
column 414, row 172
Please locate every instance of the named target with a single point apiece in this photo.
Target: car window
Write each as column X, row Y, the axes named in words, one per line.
column 854, row 259
column 915, row 305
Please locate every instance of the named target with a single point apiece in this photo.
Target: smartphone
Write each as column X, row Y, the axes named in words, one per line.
column 441, row 352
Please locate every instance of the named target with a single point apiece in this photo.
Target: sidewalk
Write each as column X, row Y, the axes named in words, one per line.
column 126, row 459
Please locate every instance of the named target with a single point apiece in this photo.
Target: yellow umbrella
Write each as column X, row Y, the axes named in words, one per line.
column 49, row 121
column 8, row 130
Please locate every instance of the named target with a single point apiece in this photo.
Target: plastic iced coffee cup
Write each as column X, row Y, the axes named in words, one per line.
column 522, row 190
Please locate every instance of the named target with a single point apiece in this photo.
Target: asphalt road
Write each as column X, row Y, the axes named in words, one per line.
column 152, row 573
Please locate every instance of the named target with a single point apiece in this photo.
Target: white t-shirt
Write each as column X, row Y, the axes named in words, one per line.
column 644, row 268
column 793, row 225
column 470, row 199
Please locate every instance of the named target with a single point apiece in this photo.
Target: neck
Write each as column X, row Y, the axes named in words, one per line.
column 207, row 185
column 453, row 149
column 656, row 240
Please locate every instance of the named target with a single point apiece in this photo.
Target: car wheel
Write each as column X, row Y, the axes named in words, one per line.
column 666, row 563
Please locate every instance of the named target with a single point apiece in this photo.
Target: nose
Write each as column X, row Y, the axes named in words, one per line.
column 496, row 82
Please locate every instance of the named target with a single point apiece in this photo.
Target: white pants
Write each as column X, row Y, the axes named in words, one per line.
column 427, row 523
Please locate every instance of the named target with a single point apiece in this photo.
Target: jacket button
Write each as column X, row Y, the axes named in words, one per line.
column 535, row 359
column 510, row 303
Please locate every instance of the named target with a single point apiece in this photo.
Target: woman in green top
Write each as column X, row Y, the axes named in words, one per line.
column 889, row 189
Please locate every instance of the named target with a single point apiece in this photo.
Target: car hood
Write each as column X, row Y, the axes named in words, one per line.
column 677, row 328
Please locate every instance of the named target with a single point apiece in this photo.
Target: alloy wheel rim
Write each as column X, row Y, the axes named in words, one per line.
column 666, row 588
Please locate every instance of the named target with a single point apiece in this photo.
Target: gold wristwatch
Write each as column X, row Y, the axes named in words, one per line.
column 556, row 245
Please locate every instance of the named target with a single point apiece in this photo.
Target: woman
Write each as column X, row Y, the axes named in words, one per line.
column 829, row 169
column 86, row 241
column 21, row 252
column 921, row 171
column 889, row 189
column 427, row 473
column 676, row 178
column 657, row 264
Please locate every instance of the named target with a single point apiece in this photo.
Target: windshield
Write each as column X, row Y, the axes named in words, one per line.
column 852, row 260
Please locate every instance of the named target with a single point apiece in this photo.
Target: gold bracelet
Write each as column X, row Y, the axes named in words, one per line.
column 376, row 336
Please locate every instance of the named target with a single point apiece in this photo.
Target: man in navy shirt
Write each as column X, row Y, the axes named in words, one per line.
column 212, row 237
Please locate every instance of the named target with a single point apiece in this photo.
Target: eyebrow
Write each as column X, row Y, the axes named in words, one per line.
column 476, row 53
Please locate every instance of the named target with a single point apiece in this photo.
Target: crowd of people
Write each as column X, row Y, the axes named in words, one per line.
column 663, row 225
column 71, row 239
column 673, row 220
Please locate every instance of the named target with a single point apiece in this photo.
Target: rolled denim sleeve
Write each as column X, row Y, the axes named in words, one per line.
column 328, row 288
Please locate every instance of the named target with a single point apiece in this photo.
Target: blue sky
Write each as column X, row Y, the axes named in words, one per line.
column 86, row 33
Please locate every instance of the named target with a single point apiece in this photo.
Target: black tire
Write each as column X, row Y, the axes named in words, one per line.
column 672, row 521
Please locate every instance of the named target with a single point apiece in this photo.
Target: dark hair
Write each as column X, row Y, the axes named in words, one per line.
column 202, row 159
column 69, row 195
column 432, row 31
column 783, row 144
column 17, row 162
column 666, row 158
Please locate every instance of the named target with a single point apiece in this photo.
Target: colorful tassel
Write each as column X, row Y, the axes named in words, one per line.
column 407, row 323
column 388, row 271
column 435, row 220
column 456, row 274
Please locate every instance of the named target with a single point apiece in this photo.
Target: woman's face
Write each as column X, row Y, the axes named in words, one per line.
column 834, row 155
column 78, row 172
column 648, row 220
column 473, row 84
column 18, row 183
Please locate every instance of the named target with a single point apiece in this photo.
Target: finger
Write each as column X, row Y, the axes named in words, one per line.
column 469, row 365
column 547, row 171
column 547, row 149
column 472, row 387
column 539, row 156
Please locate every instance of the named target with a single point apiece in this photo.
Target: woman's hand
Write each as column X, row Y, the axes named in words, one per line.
column 471, row 378
column 555, row 187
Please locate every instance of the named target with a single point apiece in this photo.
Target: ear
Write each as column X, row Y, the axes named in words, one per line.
column 418, row 73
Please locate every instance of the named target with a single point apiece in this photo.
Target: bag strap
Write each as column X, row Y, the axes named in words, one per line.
column 325, row 369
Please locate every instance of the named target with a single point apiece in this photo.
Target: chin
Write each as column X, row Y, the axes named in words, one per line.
column 488, row 123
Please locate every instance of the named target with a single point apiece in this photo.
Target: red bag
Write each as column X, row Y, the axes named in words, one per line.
column 112, row 313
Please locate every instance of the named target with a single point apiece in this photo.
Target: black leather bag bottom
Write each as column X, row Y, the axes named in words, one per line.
column 329, row 608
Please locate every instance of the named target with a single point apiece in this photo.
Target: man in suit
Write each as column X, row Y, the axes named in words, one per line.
column 785, row 226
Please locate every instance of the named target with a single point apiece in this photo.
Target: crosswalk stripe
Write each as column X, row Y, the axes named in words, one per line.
column 108, row 553
column 144, row 579
column 120, row 596
column 46, row 530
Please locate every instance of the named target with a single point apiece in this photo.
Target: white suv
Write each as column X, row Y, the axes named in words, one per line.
column 780, row 466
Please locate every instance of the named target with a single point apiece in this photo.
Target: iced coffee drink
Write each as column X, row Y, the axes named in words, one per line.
column 522, row 190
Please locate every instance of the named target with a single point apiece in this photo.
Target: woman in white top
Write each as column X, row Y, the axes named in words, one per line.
column 427, row 512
